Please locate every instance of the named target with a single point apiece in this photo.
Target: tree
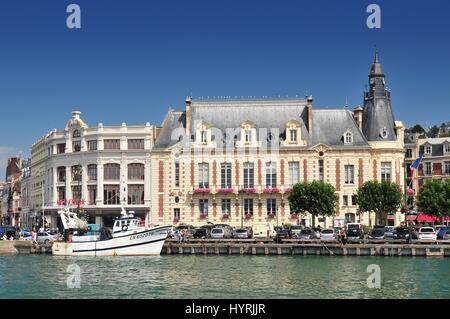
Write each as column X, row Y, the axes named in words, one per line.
column 317, row 198
column 434, row 198
column 433, row 132
column 381, row 198
column 417, row 129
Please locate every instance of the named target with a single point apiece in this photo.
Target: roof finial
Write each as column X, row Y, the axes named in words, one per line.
column 376, row 59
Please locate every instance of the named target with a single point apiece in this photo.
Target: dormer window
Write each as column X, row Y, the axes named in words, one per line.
column 384, row 133
column 76, row 134
column 348, row 138
column 447, row 148
column 427, row 149
column 248, row 136
column 204, row 137
column 293, row 135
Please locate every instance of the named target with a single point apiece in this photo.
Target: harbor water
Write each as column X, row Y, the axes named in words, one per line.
column 224, row 277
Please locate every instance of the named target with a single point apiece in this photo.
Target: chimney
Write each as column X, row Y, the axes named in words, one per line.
column 358, row 116
column 310, row 106
column 188, row 114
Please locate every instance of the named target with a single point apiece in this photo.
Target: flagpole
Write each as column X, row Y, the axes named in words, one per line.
column 43, row 207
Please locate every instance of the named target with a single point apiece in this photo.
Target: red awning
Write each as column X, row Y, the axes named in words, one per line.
column 391, row 217
column 430, row 219
column 411, row 217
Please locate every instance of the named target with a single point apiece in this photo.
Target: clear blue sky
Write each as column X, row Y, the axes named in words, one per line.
column 134, row 59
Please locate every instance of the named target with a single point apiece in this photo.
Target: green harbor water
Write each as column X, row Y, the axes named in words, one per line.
column 223, row 277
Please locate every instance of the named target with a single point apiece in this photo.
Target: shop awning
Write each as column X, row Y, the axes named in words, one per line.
column 430, row 219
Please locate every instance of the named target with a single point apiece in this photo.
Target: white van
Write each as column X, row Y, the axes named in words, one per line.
column 264, row 231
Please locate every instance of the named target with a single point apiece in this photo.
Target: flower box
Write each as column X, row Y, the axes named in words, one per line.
column 226, row 216
column 202, row 191
column 248, row 216
column 203, row 216
column 248, row 190
column 271, row 190
column 289, row 190
column 271, row 216
column 225, row 190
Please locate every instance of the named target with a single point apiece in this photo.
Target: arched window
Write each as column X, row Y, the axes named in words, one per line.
column 348, row 138
column 136, row 171
column 76, row 134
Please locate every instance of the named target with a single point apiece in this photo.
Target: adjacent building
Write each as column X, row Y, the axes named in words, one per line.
column 235, row 161
column 97, row 169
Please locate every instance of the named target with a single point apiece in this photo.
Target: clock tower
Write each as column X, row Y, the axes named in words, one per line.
column 378, row 118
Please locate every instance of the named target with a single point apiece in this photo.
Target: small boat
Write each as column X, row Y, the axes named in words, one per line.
column 127, row 238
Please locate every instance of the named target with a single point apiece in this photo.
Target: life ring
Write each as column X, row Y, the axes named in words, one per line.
column 124, row 228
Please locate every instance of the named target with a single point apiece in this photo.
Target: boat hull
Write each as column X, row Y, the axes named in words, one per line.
column 144, row 243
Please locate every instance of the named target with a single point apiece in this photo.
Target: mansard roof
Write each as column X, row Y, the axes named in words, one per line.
column 173, row 121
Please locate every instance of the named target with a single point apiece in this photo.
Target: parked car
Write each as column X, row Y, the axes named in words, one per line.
column 354, row 230
column 389, row 232
column 242, row 233
column 202, row 233
column 328, row 234
column 446, row 236
column 296, row 229
column 307, row 233
column 46, row 237
column 403, row 232
column 264, row 230
column 221, row 233
column 377, row 233
column 282, row 233
column 441, row 233
column 426, row 233
column 9, row 231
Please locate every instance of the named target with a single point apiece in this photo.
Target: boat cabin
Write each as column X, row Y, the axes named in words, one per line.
column 126, row 224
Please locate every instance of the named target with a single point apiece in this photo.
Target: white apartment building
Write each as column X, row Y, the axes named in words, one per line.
column 98, row 168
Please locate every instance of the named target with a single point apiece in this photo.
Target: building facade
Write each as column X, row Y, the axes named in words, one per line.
column 235, row 161
column 97, row 169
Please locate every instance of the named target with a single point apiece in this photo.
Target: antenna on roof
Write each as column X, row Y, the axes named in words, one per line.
column 346, row 102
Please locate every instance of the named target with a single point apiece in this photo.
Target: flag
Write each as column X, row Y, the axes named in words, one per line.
column 416, row 163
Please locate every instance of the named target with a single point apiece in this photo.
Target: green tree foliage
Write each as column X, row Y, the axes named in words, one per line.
column 417, row 129
column 434, row 198
column 433, row 132
column 317, row 198
column 381, row 198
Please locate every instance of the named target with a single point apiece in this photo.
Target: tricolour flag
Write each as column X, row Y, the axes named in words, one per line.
column 416, row 163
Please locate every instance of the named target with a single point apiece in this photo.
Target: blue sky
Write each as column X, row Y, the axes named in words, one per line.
column 134, row 59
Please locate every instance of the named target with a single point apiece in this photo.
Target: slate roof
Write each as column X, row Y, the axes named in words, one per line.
column 437, row 146
column 174, row 120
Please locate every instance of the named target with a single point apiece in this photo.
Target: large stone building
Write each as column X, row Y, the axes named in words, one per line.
column 236, row 160
column 97, row 168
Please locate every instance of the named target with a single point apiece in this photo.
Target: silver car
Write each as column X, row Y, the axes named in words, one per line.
column 220, row 233
column 328, row 234
column 46, row 237
column 241, row 233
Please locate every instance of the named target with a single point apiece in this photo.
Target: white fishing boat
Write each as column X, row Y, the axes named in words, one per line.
column 127, row 238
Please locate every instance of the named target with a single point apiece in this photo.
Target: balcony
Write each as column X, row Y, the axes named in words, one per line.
column 202, row 191
column 247, row 191
column 271, row 190
column 225, row 191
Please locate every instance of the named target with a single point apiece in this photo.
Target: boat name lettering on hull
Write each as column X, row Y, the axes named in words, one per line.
column 140, row 236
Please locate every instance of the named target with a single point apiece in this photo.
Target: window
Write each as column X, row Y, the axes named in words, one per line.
column 248, row 206
column 92, row 172
column 61, row 193
column 111, row 172
column 345, row 200
column 428, row 170
column 271, row 206
column 203, row 175
column 408, row 153
column 348, row 138
column 271, row 175
column 384, row 133
column 446, row 148
column 76, row 146
column 177, row 174
column 248, row 136
column 203, row 206
column 111, row 194
column 427, row 149
column 92, row 190
column 136, row 172
column 112, row 144
column 76, row 194
column 249, row 175
column 349, row 174
column 92, row 145
column 204, row 137
column 226, row 175
column 321, row 175
column 226, row 206
column 61, row 148
column 176, row 214
column 293, row 134
column 136, row 144
column 386, row 171
column 354, row 200
column 350, row 218
column 135, row 194
column 447, row 168
column 76, row 173
column 61, row 171
column 294, row 173
column 76, row 134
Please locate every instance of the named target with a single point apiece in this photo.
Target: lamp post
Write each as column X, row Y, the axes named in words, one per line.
column 242, row 207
